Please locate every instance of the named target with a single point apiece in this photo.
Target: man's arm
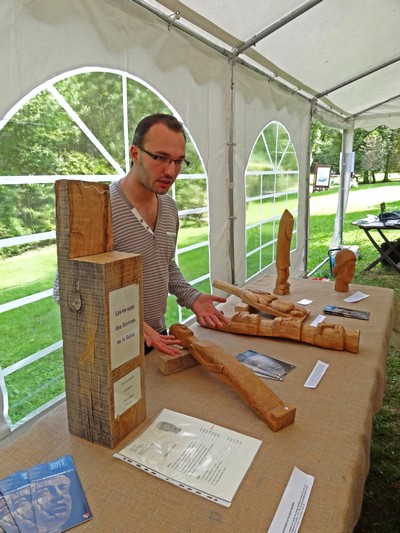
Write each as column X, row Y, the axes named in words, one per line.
column 200, row 303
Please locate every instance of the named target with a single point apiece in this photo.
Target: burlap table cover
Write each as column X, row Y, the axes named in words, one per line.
column 330, row 438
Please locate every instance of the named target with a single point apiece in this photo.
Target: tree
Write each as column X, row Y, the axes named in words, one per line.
column 326, row 145
column 372, row 155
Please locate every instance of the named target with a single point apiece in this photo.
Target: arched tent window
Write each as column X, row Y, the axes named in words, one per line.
column 77, row 126
column 272, row 185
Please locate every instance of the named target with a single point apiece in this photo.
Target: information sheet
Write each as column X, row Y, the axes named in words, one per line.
column 293, row 504
column 201, row 457
column 124, row 325
column 127, row 392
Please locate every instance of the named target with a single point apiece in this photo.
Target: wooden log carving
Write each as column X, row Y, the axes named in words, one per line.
column 330, row 336
column 282, row 285
column 101, row 317
column 265, row 301
column 268, row 406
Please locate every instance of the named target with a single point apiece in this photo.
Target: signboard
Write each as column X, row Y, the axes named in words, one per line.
column 322, row 177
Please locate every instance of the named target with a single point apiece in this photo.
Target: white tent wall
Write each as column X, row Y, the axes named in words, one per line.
column 42, row 39
column 52, row 38
column 257, row 103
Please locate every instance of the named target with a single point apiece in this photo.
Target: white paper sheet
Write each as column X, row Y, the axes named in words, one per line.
column 317, row 320
column 316, row 375
column 198, row 456
column 293, row 504
column 356, row 297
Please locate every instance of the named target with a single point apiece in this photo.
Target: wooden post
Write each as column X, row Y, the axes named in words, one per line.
column 101, row 316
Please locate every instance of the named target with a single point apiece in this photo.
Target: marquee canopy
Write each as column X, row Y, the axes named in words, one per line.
column 343, row 55
column 228, row 69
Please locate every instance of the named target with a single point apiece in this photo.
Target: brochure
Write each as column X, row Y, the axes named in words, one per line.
column 345, row 312
column 59, row 501
column 7, row 522
column 264, row 365
column 17, row 494
column 193, row 454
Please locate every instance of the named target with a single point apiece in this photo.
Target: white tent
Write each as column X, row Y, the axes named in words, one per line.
column 228, row 69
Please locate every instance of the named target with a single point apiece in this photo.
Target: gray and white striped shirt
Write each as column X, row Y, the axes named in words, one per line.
column 161, row 275
column 160, row 272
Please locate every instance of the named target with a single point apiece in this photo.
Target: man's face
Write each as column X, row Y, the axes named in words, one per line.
column 155, row 175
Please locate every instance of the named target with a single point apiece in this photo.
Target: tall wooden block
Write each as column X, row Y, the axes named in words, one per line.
column 102, row 317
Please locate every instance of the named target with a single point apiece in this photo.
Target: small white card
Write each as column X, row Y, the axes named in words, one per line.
column 293, row 503
column 304, row 301
column 317, row 320
column 316, row 375
column 356, row 297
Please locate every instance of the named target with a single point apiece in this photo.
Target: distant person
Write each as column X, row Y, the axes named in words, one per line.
column 353, row 181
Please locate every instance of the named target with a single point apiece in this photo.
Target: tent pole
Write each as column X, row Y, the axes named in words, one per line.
column 346, row 169
column 231, row 144
column 307, row 177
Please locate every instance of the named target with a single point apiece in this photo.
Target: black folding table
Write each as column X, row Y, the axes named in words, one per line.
column 389, row 251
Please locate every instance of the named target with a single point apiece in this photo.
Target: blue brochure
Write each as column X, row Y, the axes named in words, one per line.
column 16, row 492
column 59, row 501
column 7, row 522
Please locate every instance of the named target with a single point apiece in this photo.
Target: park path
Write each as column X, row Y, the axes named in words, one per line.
column 359, row 200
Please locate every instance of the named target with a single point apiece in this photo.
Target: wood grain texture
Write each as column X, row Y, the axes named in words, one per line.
column 84, row 228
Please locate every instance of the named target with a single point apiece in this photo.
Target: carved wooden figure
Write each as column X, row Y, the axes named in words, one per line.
column 282, row 286
column 268, row 406
column 265, row 301
column 345, row 264
column 331, row 336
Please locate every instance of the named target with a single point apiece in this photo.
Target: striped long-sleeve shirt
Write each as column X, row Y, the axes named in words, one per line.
column 161, row 274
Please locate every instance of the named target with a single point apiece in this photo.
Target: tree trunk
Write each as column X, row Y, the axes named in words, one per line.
column 365, row 175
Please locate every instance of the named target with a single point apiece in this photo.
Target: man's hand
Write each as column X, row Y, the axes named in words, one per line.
column 207, row 314
column 163, row 343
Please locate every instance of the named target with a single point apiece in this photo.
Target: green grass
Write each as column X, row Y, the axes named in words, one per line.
column 25, row 330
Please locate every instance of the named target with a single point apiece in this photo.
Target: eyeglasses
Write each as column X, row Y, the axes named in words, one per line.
column 166, row 160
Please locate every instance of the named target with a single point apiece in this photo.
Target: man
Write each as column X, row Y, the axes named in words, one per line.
column 145, row 221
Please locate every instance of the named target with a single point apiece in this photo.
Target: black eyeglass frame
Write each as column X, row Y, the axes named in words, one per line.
column 164, row 159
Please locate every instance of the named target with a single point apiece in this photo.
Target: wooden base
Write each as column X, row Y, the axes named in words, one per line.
column 168, row 364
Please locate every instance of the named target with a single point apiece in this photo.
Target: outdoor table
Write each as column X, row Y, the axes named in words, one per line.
column 330, row 438
column 386, row 248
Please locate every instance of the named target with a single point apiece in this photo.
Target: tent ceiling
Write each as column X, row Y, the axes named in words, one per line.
column 347, row 54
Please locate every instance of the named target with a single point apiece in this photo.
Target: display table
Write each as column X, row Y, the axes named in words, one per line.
column 387, row 249
column 330, row 438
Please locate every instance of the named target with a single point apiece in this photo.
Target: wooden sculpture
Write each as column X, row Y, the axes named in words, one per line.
column 264, row 301
column 282, row 286
column 243, row 381
column 345, row 264
column 331, row 336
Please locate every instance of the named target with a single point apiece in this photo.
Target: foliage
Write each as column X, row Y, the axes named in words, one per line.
column 326, row 145
column 376, row 151
column 41, row 139
column 372, row 154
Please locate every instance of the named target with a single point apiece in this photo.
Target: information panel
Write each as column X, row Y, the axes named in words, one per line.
column 124, row 325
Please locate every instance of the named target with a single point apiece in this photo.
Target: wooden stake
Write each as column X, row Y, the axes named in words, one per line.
column 101, row 316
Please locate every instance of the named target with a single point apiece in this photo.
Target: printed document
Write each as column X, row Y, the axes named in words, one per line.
column 196, row 455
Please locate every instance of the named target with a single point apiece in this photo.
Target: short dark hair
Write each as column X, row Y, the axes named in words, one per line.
column 147, row 122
